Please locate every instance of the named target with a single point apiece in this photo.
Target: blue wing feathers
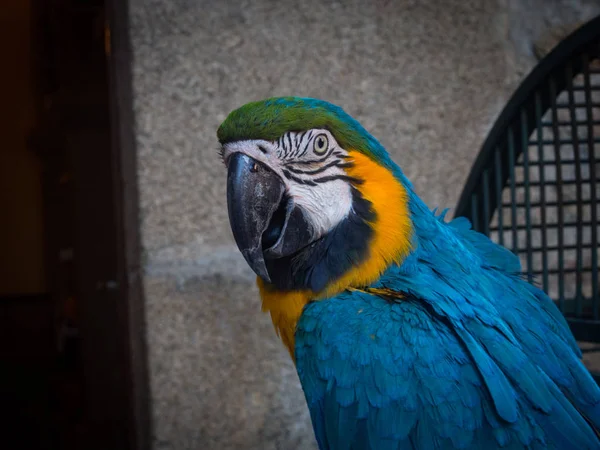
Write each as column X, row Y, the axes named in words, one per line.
column 501, row 391
column 492, row 254
column 473, row 358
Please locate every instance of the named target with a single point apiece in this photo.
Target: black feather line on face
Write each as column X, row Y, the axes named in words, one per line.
column 315, row 161
column 336, row 163
column 308, row 142
column 291, row 177
column 280, row 148
column 328, row 258
column 347, row 178
column 291, row 145
column 299, row 137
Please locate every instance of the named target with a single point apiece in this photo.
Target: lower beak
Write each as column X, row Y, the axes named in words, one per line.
column 254, row 194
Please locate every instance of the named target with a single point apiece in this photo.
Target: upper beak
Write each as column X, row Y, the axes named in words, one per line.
column 254, row 193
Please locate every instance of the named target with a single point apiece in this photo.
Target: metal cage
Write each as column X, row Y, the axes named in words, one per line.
column 535, row 187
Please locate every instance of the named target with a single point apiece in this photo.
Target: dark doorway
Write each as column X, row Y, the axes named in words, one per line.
column 72, row 339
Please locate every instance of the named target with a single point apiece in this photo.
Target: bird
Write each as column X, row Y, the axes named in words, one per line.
column 407, row 330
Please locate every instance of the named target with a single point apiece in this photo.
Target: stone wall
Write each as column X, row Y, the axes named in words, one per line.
column 426, row 78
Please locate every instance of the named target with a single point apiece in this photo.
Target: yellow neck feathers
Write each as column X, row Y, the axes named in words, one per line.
column 390, row 243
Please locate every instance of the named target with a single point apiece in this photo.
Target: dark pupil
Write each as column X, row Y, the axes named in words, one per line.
column 320, row 142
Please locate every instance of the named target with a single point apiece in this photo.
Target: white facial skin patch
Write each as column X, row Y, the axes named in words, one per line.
column 311, row 165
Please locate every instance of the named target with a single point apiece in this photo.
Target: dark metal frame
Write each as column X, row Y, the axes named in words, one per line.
column 102, row 400
column 132, row 311
column 494, row 168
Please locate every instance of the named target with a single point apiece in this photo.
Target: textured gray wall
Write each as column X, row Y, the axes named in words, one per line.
column 427, row 78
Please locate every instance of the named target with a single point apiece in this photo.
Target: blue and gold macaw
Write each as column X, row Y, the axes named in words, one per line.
column 407, row 332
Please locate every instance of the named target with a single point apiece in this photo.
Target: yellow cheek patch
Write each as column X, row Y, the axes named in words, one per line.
column 392, row 229
column 390, row 243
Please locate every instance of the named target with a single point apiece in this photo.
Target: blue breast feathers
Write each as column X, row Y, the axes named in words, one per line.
column 473, row 356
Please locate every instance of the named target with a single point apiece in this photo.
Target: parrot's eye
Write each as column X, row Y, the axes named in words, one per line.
column 321, row 144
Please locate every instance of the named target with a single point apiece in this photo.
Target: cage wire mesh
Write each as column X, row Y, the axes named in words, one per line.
column 535, row 187
column 548, row 213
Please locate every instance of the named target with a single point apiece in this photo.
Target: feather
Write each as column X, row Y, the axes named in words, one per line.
column 450, row 347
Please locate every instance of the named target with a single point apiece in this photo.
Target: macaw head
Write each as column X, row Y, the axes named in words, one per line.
column 315, row 202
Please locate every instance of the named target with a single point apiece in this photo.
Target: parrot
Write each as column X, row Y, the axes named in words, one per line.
column 406, row 330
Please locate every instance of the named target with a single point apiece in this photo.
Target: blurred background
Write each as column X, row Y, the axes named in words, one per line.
column 427, row 78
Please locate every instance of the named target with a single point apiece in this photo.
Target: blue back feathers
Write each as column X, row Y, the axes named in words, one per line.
column 473, row 357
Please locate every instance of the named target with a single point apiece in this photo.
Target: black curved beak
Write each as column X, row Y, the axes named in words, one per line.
column 254, row 196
